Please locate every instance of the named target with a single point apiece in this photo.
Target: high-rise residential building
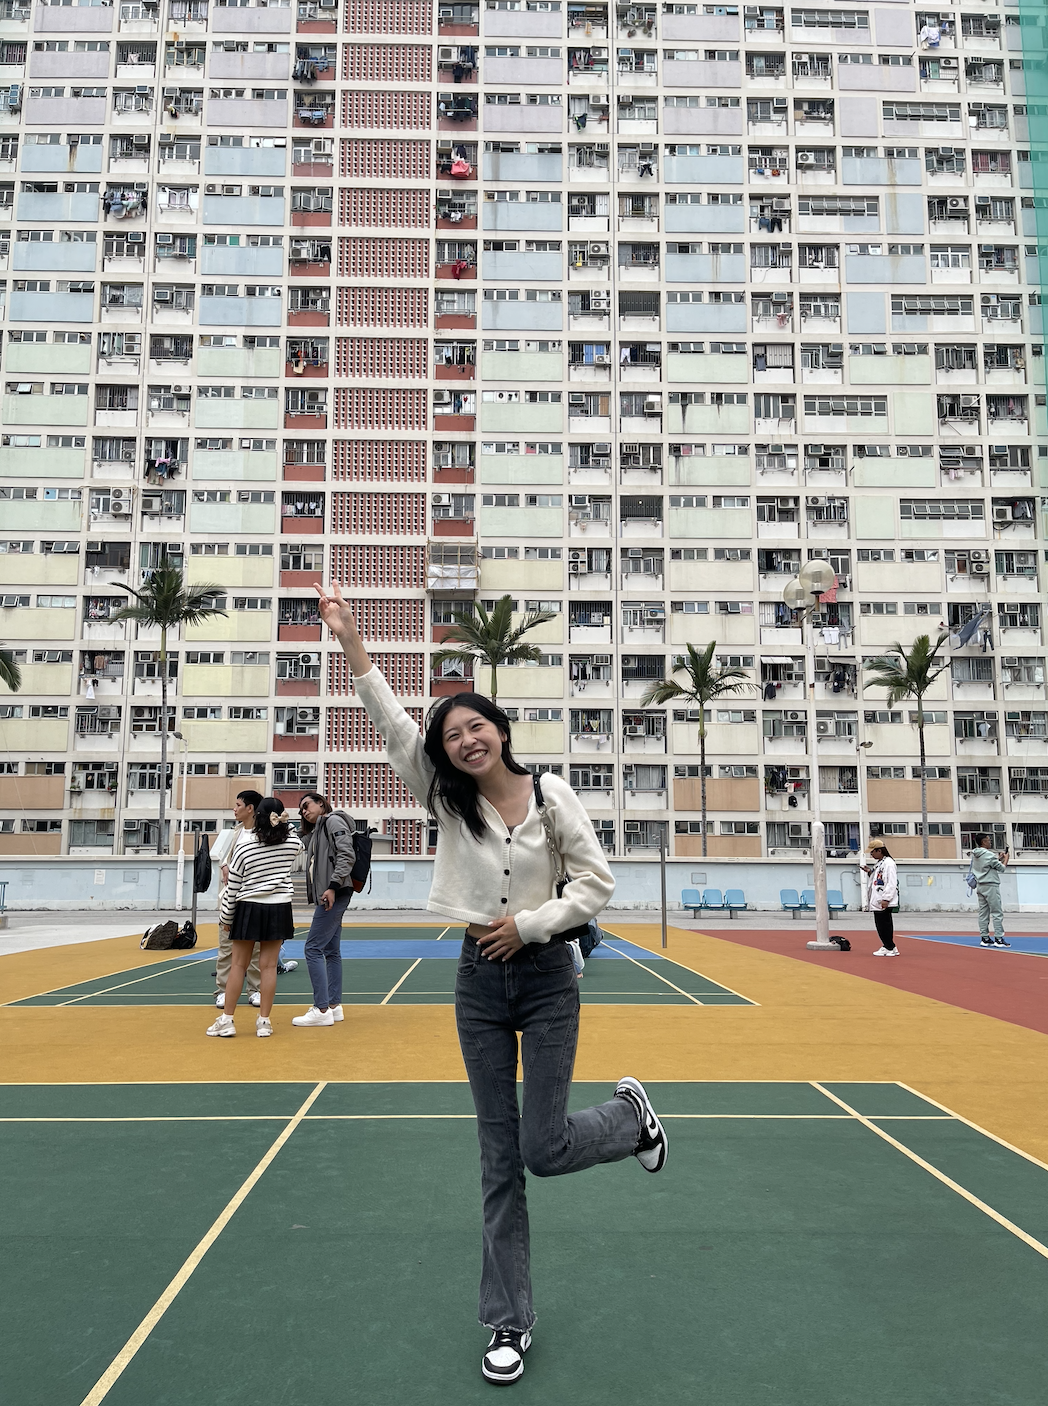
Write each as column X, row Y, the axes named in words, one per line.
column 625, row 310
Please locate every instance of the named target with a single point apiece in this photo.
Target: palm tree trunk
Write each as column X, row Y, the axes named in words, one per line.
column 702, row 779
column 924, row 780
column 494, row 681
column 163, row 738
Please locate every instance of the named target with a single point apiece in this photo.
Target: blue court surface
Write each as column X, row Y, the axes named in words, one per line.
column 1027, row 943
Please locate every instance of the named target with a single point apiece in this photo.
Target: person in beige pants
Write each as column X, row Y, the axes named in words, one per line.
column 244, row 815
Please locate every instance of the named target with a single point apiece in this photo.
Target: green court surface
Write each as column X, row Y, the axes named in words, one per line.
column 788, row 1255
column 420, row 972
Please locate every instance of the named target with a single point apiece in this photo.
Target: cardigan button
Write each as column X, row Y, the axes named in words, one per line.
column 504, row 900
column 505, row 871
column 509, row 839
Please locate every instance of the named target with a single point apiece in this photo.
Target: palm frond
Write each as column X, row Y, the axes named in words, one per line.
column 166, row 601
column 10, row 673
column 705, row 682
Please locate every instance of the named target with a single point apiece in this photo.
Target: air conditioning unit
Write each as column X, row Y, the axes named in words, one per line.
column 987, row 248
column 447, row 53
column 441, row 397
column 1002, row 513
column 978, row 555
column 165, row 239
column 601, row 659
column 602, row 449
column 780, row 297
column 780, row 204
column 132, row 827
column 946, row 151
column 796, row 829
column 442, row 500
column 306, row 715
column 956, row 203
column 136, row 236
column 979, row 568
column 578, row 500
column 309, row 658
column 947, row 63
column 576, row 568
column 795, row 715
column 648, row 146
column 161, row 295
column 599, row 100
column 824, row 728
column 805, row 158
column 1011, row 661
column 653, row 406
column 140, row 139
column 969, row 402
column 779, row 104
column 817, row 502
column 143, row 90
column 600, row 248
column 631, row 827
column 576, row 398
column 109, row 711
column 632, row 731
column 179, row 390
column 601, row 359
column 120, row 500
column 599, row 302
column 792, row 502
column 971, row 451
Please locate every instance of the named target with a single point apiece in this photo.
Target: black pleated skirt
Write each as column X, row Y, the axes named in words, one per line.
column 262, row 922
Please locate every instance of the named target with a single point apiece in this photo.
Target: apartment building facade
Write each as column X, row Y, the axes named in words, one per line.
column 626, row 310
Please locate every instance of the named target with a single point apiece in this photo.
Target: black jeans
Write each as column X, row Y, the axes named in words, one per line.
column 535, row 992
column 882, row 920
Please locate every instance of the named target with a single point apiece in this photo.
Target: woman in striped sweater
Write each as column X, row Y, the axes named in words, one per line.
column 256, row 907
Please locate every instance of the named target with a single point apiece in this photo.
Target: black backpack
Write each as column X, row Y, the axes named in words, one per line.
column 168, row 937
column 361, row 871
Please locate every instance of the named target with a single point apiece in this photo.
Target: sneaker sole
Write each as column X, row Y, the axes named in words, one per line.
column 220, row 1034
column 498, row 1379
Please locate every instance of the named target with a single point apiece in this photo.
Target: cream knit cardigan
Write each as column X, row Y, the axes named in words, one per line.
column 500, row 874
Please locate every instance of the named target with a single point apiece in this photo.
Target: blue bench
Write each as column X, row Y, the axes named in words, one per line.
column 791, row 902
column 713, row 901
column 806, row 903
column 691, row 898
column 735, row 902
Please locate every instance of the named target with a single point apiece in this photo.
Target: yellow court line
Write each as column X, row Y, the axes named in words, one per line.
column 961, row 1191
column 122, row 1361
column 400, row 983
column 978, row 1128
column 107, row 990
column 677, row 963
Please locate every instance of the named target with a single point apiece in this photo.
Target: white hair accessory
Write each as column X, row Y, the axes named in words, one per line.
column 282, row 818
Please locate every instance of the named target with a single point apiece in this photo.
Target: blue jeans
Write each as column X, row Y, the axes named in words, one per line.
column 536, row 992
column 324, row 951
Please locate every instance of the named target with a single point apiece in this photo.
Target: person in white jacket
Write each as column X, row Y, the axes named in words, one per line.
column 494, row 873
column 882, row 894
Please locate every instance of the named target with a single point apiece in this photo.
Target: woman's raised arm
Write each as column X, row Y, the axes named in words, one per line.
column 340, row 620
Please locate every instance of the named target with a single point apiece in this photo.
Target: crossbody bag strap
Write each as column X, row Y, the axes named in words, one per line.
column 547, row 825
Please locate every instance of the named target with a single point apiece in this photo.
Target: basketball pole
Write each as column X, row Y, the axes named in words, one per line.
column 662, row 882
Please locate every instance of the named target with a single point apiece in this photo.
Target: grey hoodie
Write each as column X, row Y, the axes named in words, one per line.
column 329, row 856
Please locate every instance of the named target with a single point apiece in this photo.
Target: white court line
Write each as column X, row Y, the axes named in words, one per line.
column 51, row 990
column 694, row 999
column 961, row 1191
column 400, row 983
column 442, row 934
column 121, row 984
column 748, row 999
column 122, row 1360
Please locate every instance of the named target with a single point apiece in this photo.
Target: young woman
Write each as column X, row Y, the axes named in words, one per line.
column 256, row 907
column 493, row 871
column 882, row 894
column 329, row 859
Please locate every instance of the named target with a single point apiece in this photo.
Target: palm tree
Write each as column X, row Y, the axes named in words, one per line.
column 910, row 674
column 165, row 601
column 10, row 673
column 493, row 639
column 704, row 685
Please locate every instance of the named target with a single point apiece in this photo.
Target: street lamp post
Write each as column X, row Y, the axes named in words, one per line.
column 180, row 867
column 802, row 593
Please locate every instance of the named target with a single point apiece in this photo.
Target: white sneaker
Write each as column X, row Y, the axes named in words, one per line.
column 315, row 1017
column 220, row 999
column 223, row 1027
column 255, row 999
column 336, row 1011
column 263, row 1026
column 882, row 952
column 893, row 952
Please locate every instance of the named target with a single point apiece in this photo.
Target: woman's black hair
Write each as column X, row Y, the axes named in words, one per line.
column 304, row 827
column 878, row 843
column 266, row 832
column 456, row 791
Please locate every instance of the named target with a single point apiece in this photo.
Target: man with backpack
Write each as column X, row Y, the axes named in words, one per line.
column 987, row 868
column 334, row 868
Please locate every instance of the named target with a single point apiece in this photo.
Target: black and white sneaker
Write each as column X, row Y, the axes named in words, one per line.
column 1001, row 942
column 653, row 1148
column 504, row 1360
column 987, row 942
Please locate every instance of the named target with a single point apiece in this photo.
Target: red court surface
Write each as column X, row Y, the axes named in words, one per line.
column 1011, row 986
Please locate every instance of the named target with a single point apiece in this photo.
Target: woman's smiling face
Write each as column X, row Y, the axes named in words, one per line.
column 472, row 743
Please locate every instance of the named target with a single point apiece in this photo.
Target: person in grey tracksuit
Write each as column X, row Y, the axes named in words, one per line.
column 329, row 860
column 988, row 868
